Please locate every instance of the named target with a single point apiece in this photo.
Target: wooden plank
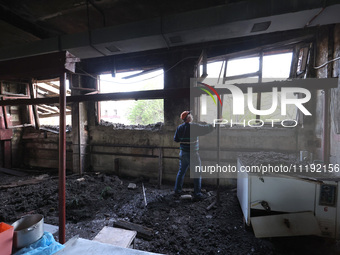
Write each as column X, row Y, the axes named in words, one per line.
column 52, row 115
column 34, row 107
column 142, row 232
column 25, row 182
column 116, row 236
column 55, row 86
column 43, row 110
column 44, row 89
column 12, row 172
column 291, row 224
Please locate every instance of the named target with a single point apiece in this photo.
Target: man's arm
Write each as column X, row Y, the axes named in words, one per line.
column 201, row 129
column 176, row 138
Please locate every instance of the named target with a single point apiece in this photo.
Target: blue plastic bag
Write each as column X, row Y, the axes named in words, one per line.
column 46, row 245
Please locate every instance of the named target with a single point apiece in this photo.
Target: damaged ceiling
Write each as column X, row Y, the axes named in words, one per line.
column 96, row 28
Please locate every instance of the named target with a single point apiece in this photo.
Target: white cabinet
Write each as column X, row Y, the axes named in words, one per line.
column 282, row 195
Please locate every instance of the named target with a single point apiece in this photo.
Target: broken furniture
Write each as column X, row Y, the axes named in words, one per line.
column 289, row 204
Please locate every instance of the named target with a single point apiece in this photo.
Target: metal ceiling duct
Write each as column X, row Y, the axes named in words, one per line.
column 217, row 23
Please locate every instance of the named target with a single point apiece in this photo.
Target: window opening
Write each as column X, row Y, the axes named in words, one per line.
column 275, row 66
column 132, row 112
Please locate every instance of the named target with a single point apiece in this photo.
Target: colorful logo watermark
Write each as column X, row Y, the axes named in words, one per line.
column 239, row 99
column 208, row 92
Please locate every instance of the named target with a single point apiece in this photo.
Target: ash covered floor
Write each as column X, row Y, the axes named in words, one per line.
column 179, row 226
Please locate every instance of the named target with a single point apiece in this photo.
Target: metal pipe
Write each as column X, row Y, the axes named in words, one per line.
column 174, row 148
column 125, row 154
column 79, row 141
column 130, row 146
column 20, row 126
column 160, row 168
column 219, row 116
column 151, row 156
column 325, row 134
column 259, row 96
column 62, row 158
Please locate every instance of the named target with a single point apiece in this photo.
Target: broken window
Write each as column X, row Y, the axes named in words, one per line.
column 302, row 60
column 132, row 112
column 250, row 69
column 15, row 116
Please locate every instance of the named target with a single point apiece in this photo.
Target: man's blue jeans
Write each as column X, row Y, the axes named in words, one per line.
column 184, row 164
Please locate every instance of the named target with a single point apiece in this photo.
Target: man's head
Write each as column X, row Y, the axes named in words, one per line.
column 186, row 116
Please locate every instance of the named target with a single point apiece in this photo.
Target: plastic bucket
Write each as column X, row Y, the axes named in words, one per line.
column 6, row 238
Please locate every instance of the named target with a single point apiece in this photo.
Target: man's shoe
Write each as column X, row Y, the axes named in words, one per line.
column 177, row 195
column 199, row 197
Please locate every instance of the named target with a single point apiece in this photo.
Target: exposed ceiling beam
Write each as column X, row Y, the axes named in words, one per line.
column 56, row 86
column 10, row 17
column 48, row 108
column 47, row 90
column 234, row 20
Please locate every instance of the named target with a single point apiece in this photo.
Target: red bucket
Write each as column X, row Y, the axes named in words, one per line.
column 6, row 238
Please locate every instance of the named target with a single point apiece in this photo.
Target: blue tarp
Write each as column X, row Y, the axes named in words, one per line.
column 46, row 245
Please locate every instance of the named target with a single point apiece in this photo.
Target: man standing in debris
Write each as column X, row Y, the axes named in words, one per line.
column 187, row 135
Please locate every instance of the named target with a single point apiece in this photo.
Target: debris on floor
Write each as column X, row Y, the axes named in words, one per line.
column 132, row 186
column 167, row 225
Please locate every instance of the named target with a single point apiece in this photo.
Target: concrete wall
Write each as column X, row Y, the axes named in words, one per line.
column 41, row 149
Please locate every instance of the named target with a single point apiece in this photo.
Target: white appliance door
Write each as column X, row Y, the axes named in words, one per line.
column 290, row 224
column 282, row 194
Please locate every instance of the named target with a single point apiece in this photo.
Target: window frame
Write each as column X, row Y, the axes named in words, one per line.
column 144, row 70
column 298, row 69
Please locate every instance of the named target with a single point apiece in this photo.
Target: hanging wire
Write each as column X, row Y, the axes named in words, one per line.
column 324, row 64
